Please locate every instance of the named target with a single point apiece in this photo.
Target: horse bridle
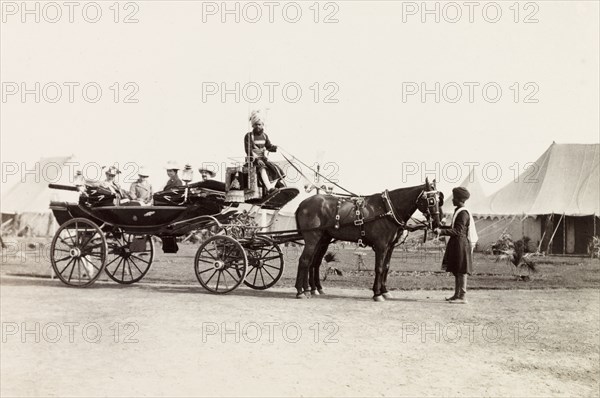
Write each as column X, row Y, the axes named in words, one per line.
column 433, row 209
column 432, row 198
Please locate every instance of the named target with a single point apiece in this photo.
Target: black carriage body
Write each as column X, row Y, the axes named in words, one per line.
column 151, row 220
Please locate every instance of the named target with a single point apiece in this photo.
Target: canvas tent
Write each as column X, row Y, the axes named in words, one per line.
column 555, row 202
column 26, row 201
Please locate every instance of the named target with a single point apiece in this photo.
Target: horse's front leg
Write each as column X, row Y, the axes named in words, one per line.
column 303, row 273
column 386, row 269
column 315, row 281
column 380, row 255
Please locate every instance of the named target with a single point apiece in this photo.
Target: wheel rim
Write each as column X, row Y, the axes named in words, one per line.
column 220, row 264
column 128, row 262
column 78, row 252
column 265, row 264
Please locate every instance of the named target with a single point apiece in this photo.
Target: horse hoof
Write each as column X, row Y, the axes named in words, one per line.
column 378, row 298
column 307, row 294
column 315, row 292
column 321, row 291
column 387, row 295
column 301, row 296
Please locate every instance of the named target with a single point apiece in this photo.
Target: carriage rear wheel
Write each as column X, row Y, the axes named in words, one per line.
column 221, row 264
column 265, row 263
column 78, row 252
column 129, row 257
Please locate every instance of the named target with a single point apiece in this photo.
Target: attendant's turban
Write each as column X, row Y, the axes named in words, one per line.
column 461, row 193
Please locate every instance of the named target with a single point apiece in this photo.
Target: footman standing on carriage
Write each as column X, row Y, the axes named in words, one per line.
column 458, row 258
column 256, row 144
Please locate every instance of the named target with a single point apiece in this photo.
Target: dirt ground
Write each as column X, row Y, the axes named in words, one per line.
column 157, row 339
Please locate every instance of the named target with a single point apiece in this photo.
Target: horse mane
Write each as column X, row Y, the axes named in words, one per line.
column 404, row 200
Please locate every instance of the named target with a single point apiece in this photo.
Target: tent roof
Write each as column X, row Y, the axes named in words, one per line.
column 32, row 194
column 477, row 203
column 565, row 179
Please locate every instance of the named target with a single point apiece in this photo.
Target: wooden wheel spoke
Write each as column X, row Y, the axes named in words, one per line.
column 206, row 249
column 90, row 262
column 135, row 265
column 206, row 270
column 270, row 250
column 226, row 254
column 272, row 278
column 96, row 246
column 61, row 250
column 141, row 259
column 84, row 244
column 73, row 241
column 213, row 274
column 118, row 266
column 204, row 260
column 262, row 277
column 269, row 258
column 63, row 270
column 271, row 266
column 232, row 277
column 62, row 259
column 112, row 261
column 255, row 276
column 87, row 273
column 254, row 269
column 218, row 279
column 129, row 268
column 72, row 269
column 65, row 243
column 225, row 280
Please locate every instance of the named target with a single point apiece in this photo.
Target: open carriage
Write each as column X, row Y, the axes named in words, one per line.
column 100, row 235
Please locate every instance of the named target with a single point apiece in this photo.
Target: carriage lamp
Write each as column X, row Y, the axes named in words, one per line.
column 187, row 174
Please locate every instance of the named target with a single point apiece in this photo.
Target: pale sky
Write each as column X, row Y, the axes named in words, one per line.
column 369, row 57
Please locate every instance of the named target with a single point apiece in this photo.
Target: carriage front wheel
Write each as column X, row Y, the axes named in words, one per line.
column 78, row 252
column 265, row 263
column 221, row 264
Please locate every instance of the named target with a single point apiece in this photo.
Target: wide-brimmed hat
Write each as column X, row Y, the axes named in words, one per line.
column 112, row 170
column 207, row 171
column 172, row 165
column 142, row 172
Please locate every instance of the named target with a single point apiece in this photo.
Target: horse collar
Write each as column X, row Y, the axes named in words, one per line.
column 390, row 208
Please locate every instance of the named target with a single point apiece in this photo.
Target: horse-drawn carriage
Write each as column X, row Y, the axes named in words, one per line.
column 97, row 236
column 100, row 235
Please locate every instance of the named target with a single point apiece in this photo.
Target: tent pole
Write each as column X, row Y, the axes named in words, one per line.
column 541, row 240
column 564, row 234
column 554, row 233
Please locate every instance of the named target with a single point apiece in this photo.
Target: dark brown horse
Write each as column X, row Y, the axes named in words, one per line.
column 380, row 221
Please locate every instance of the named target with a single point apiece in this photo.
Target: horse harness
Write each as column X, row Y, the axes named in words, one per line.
column 360, row 220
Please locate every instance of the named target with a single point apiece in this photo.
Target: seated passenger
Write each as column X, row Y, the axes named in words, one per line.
column 141, row 190
column 174, row 180
column 208, row 182
column 111, row 184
